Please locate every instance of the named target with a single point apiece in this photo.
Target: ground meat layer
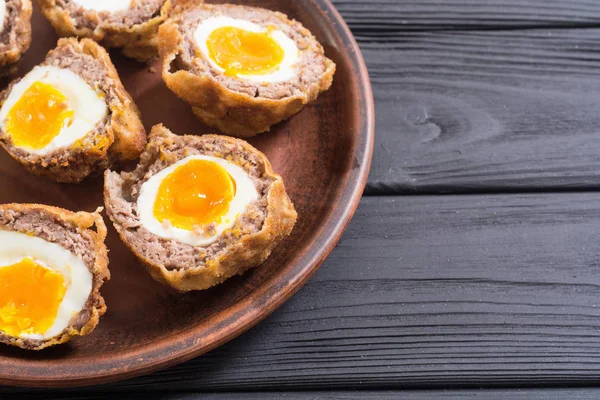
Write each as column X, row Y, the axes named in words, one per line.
column 139, row 12
column 8, row 33
column 310, row 67
column 15, row 35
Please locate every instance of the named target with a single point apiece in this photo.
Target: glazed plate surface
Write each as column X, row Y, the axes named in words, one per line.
column 323, row 153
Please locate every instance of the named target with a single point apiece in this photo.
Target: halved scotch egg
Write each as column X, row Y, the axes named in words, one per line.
column 243, row 69
column 15, row 33
column 128, row 24
column 70, row 117
column 199, row 209
column 52, row 265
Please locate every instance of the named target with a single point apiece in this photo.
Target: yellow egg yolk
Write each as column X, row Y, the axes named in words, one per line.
column 38, row 117
column 194, row 195
column 241, row 52
column 30, row 296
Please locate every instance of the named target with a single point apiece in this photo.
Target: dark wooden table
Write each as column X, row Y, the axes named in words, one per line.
column 472, row 267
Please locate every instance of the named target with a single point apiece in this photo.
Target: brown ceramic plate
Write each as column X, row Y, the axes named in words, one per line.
column 324, row 155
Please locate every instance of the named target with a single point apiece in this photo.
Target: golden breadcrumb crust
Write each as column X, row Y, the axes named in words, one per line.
column 248, row 252
column 10, row 57
column 138, row 41
column 93, row 224
column 233, row 113
column 125, row 134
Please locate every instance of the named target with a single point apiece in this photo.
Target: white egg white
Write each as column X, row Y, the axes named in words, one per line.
column 245, row 194
column 104, row 5
column 287, row 68
column 88, row 106
column 2, row 14
column 15, row 246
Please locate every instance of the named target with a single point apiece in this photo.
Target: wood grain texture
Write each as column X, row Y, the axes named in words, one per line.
column 496, row 111
column 374, row 18
column 429, row 291
column 493, row 394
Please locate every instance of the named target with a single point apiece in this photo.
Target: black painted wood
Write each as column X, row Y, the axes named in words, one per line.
column 482, row 111
column 429, row 291
column 378, row 17
column 486, row 111
column 511, row 394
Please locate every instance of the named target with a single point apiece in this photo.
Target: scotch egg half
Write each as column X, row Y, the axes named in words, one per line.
column 42, row 286
column 195, row 200
column 51, row 108
column 245, row 50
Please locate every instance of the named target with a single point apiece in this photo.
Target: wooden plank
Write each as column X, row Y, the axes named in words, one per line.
column 502, row 394
column 380, row 16
column 514, row 394
column 494, row 111
column 429, row 291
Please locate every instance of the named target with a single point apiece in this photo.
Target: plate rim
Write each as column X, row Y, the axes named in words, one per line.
column 350, row 197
